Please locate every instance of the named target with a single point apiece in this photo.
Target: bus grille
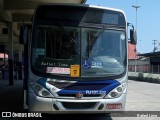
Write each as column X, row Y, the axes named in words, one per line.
column 76, row 105
column 85, row 95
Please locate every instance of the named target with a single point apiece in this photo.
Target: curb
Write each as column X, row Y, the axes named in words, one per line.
column 144, row 77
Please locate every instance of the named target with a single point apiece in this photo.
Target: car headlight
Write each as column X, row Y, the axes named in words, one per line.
column 117, row 92
column 40, row 90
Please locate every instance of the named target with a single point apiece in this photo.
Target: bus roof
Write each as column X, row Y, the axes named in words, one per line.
column 81, row 13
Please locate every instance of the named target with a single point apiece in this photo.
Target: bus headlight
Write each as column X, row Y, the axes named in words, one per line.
column 117, row 92
column 40, row 90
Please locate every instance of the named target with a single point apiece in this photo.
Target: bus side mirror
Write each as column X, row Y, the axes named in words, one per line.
column 133, row 36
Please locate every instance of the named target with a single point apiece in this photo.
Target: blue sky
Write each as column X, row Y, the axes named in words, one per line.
column 148, row 19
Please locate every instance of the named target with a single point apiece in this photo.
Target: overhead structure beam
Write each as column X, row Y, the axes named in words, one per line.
column 17, row 11
column 19, row 4
column 31, row 4
column 19, row 17
column 4, row 15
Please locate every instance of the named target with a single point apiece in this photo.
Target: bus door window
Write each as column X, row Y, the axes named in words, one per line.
column 105, row 47
column 89, row 46
column 75, row 50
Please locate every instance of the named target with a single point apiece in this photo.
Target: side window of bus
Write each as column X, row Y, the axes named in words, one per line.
column 105, row 45
column 90, row 43
column 117, row 45
column 111, row 44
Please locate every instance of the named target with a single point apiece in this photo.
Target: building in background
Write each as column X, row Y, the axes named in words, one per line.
column 147, row 63
column 132, row 52
column 154, row 61
column 137, row 63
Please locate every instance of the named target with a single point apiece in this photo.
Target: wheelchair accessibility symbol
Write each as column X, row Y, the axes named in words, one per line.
column 86, row 65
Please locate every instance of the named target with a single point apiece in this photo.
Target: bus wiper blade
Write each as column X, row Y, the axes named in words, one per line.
column 99, row 34
column 95, row 39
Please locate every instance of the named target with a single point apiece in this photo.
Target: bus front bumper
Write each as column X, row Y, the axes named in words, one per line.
column 54, row 106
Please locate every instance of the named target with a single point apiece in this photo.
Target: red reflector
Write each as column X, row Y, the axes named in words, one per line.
column 114, row 106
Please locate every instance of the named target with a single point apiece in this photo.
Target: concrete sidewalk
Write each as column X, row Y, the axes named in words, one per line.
column 11, row 97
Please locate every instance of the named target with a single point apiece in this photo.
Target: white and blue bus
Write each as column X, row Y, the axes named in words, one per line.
column 77, row 61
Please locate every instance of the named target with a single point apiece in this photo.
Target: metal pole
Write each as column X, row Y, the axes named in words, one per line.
column 10, row 60
column 20, row 64
column 154, row 43
column 136, row 7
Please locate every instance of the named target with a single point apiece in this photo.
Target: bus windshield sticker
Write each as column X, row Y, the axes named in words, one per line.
column 86, row 64
column 58, row 70
column 75, row 71
column 40, row 51
column 122, row 37
column 97, row 64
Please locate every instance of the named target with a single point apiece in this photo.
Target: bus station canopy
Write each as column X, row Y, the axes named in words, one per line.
column 19, row 11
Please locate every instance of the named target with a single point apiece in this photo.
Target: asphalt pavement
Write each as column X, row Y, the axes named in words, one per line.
column 11, row 97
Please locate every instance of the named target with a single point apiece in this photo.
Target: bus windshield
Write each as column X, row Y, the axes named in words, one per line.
column 66, row 50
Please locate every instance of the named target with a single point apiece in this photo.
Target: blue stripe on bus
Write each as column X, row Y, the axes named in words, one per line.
column 42, row 82
column 108, row 85
column 83, row 86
